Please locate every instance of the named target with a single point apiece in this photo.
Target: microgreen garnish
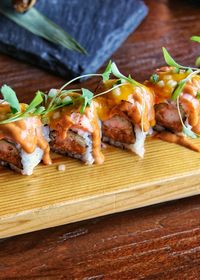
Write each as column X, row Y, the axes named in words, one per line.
column 78, row 78
column 197, row 62
column 198, row 95
column 87, row 96
column 181, row 85
column 195, row 39
column 115, row 71
column 107, row 72
column 178, row 89
column 171, row 62
column 56, row 101
column 31, row 110
column 115, row 86
column 38, row 99
column 176, row 70
column 154, row 78
column 10, row 96
column 189, row 70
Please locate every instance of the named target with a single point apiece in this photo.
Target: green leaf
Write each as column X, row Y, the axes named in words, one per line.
column 198, row 95
column 178, row 89
column 197, row 62
column 169, row 60
column 116, row 73
column 39, row 110
column 188, row 132
column 65, row 103
column 189, row 70
column 154, row 78
column 41, row 26
column 37, row 100
column 176, row 70
column 10, row 96
column 87, row 96
column 107, row 72
column 195, row 39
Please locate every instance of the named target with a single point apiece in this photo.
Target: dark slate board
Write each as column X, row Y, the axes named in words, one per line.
column 98, row 25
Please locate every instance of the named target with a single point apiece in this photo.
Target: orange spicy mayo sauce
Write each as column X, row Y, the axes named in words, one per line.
column 136, row 102
column 26, row 132
column 69, row 117
column 177, row 139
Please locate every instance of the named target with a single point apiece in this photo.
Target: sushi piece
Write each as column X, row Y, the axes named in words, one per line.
column 126, row 114
column 74, row 132
column 22, row 142
column 176, row 116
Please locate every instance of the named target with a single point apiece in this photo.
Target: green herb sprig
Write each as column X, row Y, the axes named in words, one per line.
column 10, row 96
column 87, row 95
column 56, row 101
column 110, row 69
column 32, row 109
column 196, row 39
column 62, row 97
column 171, row 62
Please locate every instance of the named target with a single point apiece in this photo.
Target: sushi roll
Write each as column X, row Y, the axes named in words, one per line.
column 22, row 141
column 126, row 113
column 177, row 104
column 74, row 131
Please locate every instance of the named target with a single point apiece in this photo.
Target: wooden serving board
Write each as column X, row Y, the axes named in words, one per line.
column 50, row 197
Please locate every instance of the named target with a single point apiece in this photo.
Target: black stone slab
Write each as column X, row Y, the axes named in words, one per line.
column 98, row 25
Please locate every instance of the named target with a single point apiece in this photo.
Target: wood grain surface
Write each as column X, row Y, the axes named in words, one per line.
column 158, row 242
column 51, row 198
column 155, row 243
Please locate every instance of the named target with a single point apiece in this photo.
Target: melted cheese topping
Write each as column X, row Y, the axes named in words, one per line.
column 136, row 102
column 27, row 132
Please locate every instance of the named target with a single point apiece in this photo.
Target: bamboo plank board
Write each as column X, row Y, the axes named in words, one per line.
column 50, row 197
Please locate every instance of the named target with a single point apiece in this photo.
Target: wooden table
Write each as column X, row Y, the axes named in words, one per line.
column 157, row 242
